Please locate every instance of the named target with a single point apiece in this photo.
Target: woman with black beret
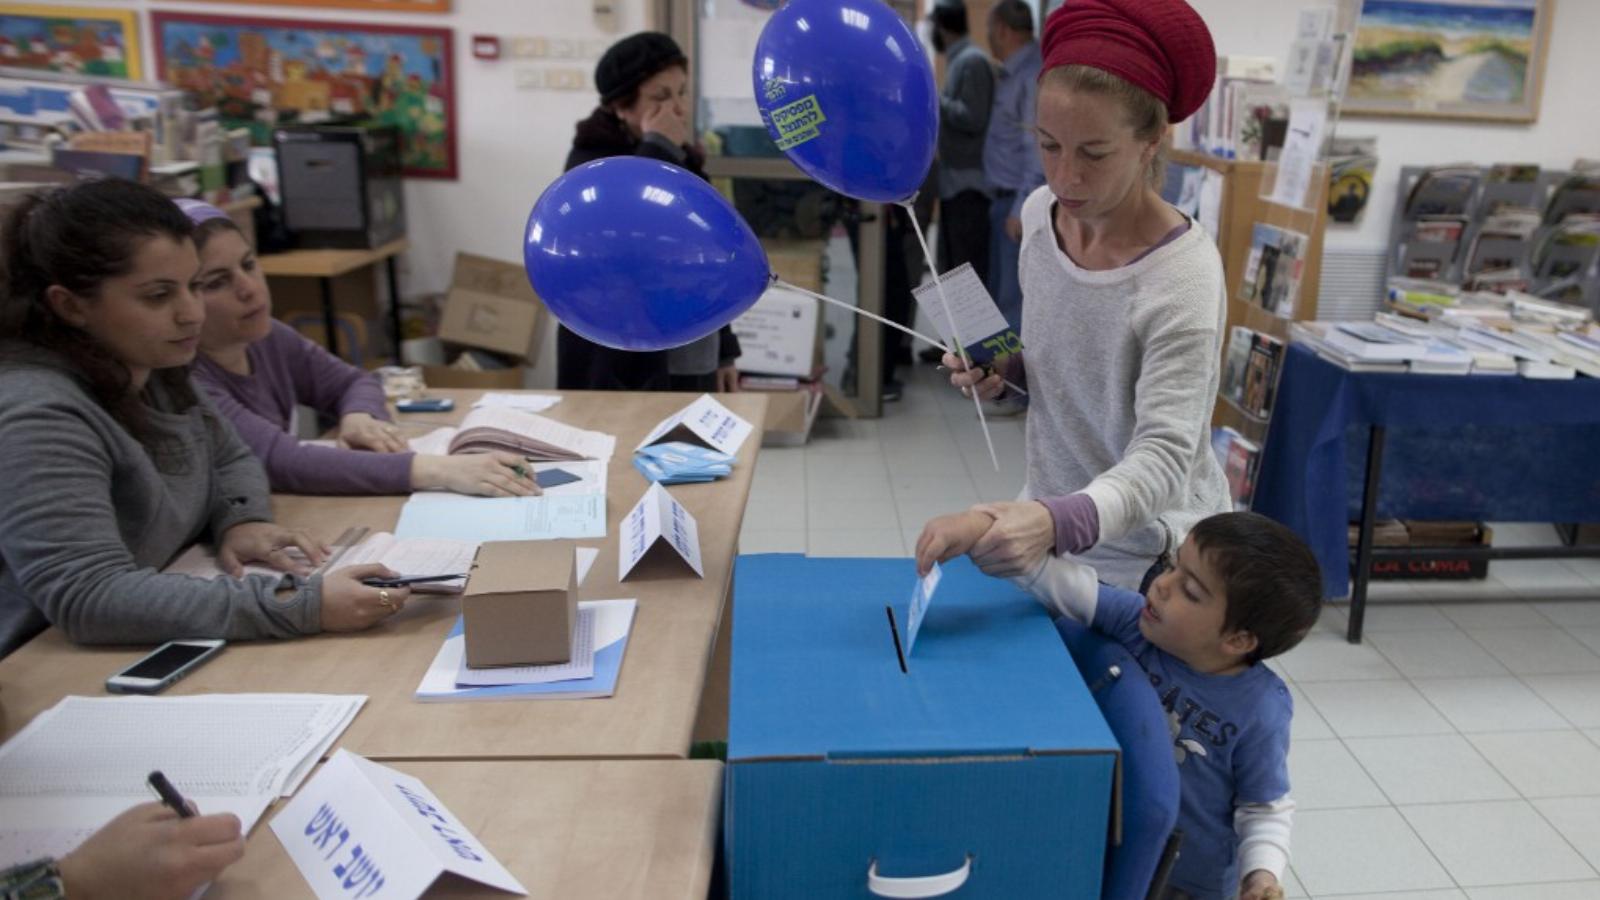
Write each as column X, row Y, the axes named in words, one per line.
column 643, row 82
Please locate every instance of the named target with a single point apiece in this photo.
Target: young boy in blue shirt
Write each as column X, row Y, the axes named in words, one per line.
column 1242, row 589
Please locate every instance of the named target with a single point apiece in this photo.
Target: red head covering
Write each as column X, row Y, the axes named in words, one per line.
column 1162, row 46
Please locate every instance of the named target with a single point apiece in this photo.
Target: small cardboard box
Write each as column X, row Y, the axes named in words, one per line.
column 790, row 415
column 492, row 306
column 778, row 335
column 493, row 379
column 520, row 604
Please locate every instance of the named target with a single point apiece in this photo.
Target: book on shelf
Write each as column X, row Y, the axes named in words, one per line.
column 1539, row 311
column 1260, row 119
column 1314, row 336
column 1512, row 173
column 1568, row 250
column 1439, row 229
column 1371, row 341
column 1239, row 458
column 1261, row 374
column 1443, row 191
column 1578, row 193
column 1273, row 271
column 1234, row 362
column 1496, row 280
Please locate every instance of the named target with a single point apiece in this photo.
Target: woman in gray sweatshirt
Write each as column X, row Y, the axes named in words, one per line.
column 114, row 462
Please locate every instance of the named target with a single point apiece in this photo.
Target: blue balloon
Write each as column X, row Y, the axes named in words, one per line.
column 639, row 254
column 847, row 93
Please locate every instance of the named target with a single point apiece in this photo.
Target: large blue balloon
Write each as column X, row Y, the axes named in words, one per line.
column 847, row 93
column 639, row 254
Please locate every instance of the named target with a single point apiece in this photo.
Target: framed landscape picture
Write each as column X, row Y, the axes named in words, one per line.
column 1462, row 59
column 438, row 6
column 263, row 72
column 73, row 39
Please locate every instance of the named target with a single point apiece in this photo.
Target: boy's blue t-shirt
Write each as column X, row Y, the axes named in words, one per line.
column 1230, row 738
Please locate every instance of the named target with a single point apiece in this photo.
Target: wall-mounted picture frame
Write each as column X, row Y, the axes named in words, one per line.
column 260, row 73
column 76, row 40
column 1478, row 60
column 423, row 6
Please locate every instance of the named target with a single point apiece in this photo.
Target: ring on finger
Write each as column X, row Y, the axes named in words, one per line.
column 384, row 601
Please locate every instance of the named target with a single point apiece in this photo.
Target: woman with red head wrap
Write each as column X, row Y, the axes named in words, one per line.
column 1123, row 314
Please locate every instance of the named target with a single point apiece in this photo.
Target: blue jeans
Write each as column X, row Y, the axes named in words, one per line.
column 1004, row 283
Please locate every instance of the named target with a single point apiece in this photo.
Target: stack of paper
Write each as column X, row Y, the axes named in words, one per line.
column 85, row 760
column 502, row 427
column 681, row 463
column 520, row 400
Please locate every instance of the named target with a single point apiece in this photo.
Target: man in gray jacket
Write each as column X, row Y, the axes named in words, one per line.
column 964, row 106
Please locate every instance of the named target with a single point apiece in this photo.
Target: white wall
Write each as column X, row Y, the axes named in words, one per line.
column 1568, row 124
column 510, row 143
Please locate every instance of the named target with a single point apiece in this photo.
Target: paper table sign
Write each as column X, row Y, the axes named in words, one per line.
column 705, row 422
column 984, row 329
column 921, row 597
column 656, row 517
column 359, row 829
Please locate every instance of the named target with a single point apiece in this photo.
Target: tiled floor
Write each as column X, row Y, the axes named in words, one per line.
column 1454, row 754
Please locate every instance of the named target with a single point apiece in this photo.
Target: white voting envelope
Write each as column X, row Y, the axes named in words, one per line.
column 705, row 422
column 655, row 517
column 358, row 829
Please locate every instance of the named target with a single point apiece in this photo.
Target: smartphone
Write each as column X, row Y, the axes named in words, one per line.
column 427, row 405
column 163, row 667
column 550, row 478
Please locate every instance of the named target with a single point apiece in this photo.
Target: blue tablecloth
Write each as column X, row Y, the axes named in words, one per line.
column 1475, row 447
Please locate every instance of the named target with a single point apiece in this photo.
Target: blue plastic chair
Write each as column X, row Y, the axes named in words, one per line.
column 1138, row 866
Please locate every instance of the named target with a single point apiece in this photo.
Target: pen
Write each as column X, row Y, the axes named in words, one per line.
column 169, row 795
column 405, row 580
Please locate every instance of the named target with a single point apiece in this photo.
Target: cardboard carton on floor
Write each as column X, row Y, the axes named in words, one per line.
column 520, row 604
column 491, row 306
column 790, row 415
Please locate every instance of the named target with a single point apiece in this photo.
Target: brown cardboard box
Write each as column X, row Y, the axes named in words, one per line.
column 520, row 604
column 491, row 305
column 790, row 415
column 494, row 379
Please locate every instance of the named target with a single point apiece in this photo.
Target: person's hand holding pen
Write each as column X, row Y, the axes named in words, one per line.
column 153, row 852
column 493, row 474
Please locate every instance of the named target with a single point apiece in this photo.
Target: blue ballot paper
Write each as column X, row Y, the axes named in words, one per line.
column 681, row 463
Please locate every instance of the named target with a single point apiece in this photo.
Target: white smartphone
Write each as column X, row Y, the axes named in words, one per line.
column 163, row 666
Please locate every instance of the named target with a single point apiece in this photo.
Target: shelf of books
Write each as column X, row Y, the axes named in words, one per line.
column 1260, row 147
column 1499, row 228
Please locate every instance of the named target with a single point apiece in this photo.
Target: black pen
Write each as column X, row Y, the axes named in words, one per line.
column 169, row 795
column 404, row 580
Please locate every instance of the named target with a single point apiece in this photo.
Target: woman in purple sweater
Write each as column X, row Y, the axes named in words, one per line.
column 257, row 370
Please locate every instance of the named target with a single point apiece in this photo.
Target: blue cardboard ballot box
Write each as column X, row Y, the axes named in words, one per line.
column 987, row 765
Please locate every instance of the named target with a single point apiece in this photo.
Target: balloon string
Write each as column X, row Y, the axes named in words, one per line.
column 938, row 284
column 877, row 318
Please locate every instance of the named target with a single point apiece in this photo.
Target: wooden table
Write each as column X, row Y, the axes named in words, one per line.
column 568, row 830
column 663, row 672
column 326, row 265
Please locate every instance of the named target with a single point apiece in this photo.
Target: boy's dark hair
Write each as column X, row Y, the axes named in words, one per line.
column 78, row 237
column 950, row 17
column 1272, row 581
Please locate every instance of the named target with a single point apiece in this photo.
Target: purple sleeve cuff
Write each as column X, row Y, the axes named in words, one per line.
column 1077, row 522
column 365, row 395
